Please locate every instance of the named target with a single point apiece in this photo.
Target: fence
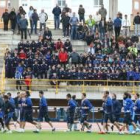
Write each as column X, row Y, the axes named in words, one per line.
column 58, row 85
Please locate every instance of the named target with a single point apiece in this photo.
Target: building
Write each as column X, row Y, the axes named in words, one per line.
column 113, row 6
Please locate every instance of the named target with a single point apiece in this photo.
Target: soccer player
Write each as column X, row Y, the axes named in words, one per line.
column 116, row 109
column 8, row 112
column 70, row 112
column 86, row 106
column 27, row 111
column 12, row 101
column 137, row 108
column 108, row 113
column 128, row 107
column 43, row 111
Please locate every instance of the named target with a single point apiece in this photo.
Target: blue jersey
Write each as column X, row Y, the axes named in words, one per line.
column 72, row 105
column 12, row 101
column 1, row 114
column 128, row 105
column 86, row 103
column 108, row 105
column 43, row 103
column 137, row 106
column 28, row 103
column 116, row 107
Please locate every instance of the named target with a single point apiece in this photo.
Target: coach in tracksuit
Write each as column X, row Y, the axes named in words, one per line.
column 70, row 112
column 43, row 110
column 86, row 106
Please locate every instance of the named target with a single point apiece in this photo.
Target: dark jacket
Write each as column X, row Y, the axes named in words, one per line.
column 65, row 21
column 23, row 23
column 5, row 16
column 56, row 11
column 74, row 57
column 136, row 20
column 35, row 17
column 81, row 11
column 13, row 16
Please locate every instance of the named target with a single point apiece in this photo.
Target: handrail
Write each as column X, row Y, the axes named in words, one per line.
column 83, row 85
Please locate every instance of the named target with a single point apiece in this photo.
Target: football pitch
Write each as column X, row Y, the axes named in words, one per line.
column 66, row 136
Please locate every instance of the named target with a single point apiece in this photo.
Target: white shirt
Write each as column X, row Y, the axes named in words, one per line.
column 97, row 18
column 126, row 22
column 30, row 14
column 42, row 17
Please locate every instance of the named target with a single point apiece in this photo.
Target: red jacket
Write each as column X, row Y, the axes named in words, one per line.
column 22, row 56
column 59, row 45
column 63, row 56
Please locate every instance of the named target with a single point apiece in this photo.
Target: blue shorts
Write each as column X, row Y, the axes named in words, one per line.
column 137, row 118
column 84, row 118
column 43, row 115
column 22, row 115
column 27, row 115
column 108, row 117
column 128, row 118
column 70, row 117
column 8, row 118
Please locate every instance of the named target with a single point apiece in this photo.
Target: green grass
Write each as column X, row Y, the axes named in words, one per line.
column 66, row 136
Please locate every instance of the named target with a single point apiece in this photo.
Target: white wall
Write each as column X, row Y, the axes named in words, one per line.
column 125, row 6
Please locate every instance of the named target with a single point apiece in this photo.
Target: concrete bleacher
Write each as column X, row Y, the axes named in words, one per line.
column 10, row 40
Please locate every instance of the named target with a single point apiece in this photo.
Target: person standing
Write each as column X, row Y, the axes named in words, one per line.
column 103, row 12
column 102, row 28
column 23, row 23
column 13, row 19
column 43, row 17
column 97, row 19
column 91, row 24
column 81, row 13
column 117, row 26
column 56, row 11
column 18, row 19
column 65, row 23
column 73, row 22
column 35, row 19
column 126, row 26
column 110, row 28
column 31, row 11
column 136, row 23
column 5, row 18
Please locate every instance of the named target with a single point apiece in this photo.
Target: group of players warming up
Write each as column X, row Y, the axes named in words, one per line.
column 20, row 110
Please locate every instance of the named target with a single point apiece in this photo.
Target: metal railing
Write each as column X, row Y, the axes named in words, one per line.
column 70, row 85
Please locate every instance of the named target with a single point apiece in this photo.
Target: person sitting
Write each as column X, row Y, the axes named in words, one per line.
column 47, row 35
column 68, row 46
column 80, row 32
column 59, row 44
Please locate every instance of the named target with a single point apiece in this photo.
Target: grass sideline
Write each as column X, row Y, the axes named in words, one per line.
column 65, row 136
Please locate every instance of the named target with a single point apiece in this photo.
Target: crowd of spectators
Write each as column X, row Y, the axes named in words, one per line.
column 109, row 56
column 109, row 60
